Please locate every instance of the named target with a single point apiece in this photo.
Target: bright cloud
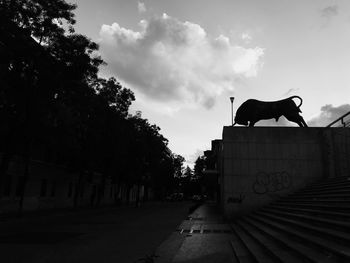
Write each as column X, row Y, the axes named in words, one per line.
column 141, row 7
column 328, row 114
column 246, row 37
column 191, row 158
column 282, row 121
column 173, row 61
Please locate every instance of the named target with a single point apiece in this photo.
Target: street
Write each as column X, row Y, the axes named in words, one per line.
column 123, row 234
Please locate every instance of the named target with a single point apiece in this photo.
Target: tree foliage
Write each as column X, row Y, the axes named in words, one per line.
column 54, row 106
column 199, row 166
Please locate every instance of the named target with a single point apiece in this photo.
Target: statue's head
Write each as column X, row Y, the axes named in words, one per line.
column 241, row 121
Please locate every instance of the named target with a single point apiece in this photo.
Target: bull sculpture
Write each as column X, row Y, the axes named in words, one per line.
column 253, row 111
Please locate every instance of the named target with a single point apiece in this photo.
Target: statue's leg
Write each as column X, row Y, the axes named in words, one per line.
column 251, row 123
column 303, row 122
column 297, row 119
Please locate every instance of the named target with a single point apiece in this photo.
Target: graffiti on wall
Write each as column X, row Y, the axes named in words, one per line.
column 271, row 182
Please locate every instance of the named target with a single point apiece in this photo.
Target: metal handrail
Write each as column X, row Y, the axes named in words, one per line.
column 344, row 124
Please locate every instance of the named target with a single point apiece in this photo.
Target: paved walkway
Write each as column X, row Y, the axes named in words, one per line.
column 119, row 235
column 202, row 238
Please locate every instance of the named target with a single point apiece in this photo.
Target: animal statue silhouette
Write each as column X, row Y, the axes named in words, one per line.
column 253, row 111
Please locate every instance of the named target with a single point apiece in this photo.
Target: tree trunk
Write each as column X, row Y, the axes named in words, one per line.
column 138, row 201
column 6, row 158
column 145, row 193
column 25, row 175
column 128, row 194
column 117, row 187
column 77, row 191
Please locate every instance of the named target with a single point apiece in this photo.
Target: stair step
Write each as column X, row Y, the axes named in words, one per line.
column 320, row 196
column 327, row 245
column 256, row 251
column 339, row 236
column 305, row 252
column 240, row 251
column 340, row 225
column 315, row 201
column 324, row 188
column 274, row 248
column 324, row 214
column 325, row 193
column 310, row 225
column 334, row 207
column 338, row 189
column 328, row 181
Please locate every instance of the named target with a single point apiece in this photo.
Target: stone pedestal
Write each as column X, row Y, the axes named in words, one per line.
column 261, row 164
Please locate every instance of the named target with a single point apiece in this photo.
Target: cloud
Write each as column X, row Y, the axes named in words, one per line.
column 291, row 92
column 173, row 61
column 141, row 7
column 282, row 121
column 246, row 37
column 328, row 114
column 329, row 11
column 191, row 158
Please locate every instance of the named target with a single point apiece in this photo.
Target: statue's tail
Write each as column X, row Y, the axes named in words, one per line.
column 297, row 97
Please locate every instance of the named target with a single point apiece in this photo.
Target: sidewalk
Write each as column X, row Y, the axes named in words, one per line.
column 120, row 235
column 70, row 211
column 203, row 238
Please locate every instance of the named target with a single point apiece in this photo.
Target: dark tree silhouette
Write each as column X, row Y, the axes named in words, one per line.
column 199, row 166
column 54, row 107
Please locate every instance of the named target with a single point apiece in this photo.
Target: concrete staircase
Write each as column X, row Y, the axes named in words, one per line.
column 311, row 225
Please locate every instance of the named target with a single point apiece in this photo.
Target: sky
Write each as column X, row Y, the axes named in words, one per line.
column 184, row 59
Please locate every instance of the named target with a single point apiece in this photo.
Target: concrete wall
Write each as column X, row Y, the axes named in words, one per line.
column 336, row 147
column 261, row 164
